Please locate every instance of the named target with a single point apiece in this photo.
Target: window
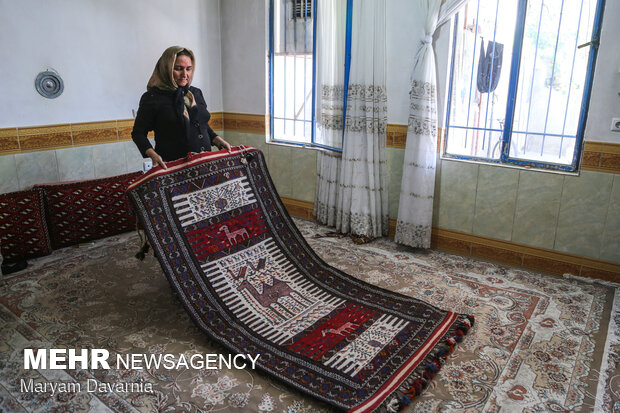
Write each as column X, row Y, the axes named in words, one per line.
column 520, row 81
column 291, row 70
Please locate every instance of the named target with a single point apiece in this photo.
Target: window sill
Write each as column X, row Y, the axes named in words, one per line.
column 301, row 145
column 506, row 165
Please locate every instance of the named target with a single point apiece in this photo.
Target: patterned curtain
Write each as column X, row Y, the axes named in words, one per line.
column 415, row 209
column 330, row 50
column 351, row 189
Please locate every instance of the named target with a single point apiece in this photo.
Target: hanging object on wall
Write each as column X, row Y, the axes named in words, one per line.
column 489, row 66
column 49, row 84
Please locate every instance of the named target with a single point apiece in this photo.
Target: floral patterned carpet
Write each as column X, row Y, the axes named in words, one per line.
column 540, row 343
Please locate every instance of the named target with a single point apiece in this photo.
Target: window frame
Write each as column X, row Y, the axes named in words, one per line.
column 312, row 143
column 505, row 159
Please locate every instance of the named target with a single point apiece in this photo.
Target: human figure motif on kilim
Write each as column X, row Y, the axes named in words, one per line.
column 249, row 280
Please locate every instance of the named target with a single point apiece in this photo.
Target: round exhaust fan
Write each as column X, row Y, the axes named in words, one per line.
column 49, row 84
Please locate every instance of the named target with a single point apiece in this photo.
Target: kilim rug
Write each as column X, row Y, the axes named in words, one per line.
column 81, row 211
column 250, row 281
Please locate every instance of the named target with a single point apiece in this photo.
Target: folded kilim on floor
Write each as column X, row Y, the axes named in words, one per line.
column 250, row 281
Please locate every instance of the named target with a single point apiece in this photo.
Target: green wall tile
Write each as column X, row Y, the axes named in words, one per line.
column 279, row 159
column 8, row 174
column 457, row 195
column 538, row 206
column 303, row 174
column 395, row 159
column 495, row 202
column 583, row 211
column 436, row 195
column 610, row 250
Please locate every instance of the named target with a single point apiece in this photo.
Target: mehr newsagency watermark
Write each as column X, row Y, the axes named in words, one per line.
column 62, row 359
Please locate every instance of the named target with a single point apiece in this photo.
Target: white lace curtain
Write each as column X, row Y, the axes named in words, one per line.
column 330, row 50
column 415, row 209
column 351, row 188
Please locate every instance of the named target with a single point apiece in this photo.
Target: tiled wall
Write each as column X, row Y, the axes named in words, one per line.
column 292, row 169
column 56, row 153
column 574, row 214
column 23, row 170
column 578, row 215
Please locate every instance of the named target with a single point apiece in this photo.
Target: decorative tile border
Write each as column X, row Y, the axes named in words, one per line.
column 47, row 137
column 601, row 157
column 597, row 156
column 396, row 136
column 245, row 122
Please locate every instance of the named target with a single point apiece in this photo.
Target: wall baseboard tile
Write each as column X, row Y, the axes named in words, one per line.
column 503, row 252
column 298, row 208
column 539, row 259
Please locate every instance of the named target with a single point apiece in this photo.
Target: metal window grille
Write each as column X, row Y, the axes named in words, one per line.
column 302, row 9
column 519, row 84
column 291, row 70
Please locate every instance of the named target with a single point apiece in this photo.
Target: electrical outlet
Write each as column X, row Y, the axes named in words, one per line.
column 147, row 165
column 615, row 125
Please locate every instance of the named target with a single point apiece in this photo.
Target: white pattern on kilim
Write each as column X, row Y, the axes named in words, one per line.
column 351, row 359
column 266, row 293
column 206, row 203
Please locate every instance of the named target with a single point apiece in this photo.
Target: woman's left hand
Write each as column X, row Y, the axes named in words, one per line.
column 221, row 143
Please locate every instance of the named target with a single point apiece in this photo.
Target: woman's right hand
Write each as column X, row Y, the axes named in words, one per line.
column 157, row 160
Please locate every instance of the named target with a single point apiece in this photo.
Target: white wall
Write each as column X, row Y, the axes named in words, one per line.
column 605, row 102
column 105, row 52
column 244, row 53
column 244, row 49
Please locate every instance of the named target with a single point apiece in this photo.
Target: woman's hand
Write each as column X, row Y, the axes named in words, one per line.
column 221, row 143
column 157, row 160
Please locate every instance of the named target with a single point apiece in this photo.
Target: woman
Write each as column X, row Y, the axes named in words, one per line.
column 176, row 111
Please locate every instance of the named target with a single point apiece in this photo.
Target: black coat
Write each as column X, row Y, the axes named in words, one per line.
column 175, row 135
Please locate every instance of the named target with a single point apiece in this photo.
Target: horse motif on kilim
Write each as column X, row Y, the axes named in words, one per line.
column 250, row 281
column 232, row 236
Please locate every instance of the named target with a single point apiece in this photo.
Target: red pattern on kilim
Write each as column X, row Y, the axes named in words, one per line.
column 209, row 240
column 327, row 335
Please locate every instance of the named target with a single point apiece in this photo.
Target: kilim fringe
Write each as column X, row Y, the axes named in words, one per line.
column 417, row 382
